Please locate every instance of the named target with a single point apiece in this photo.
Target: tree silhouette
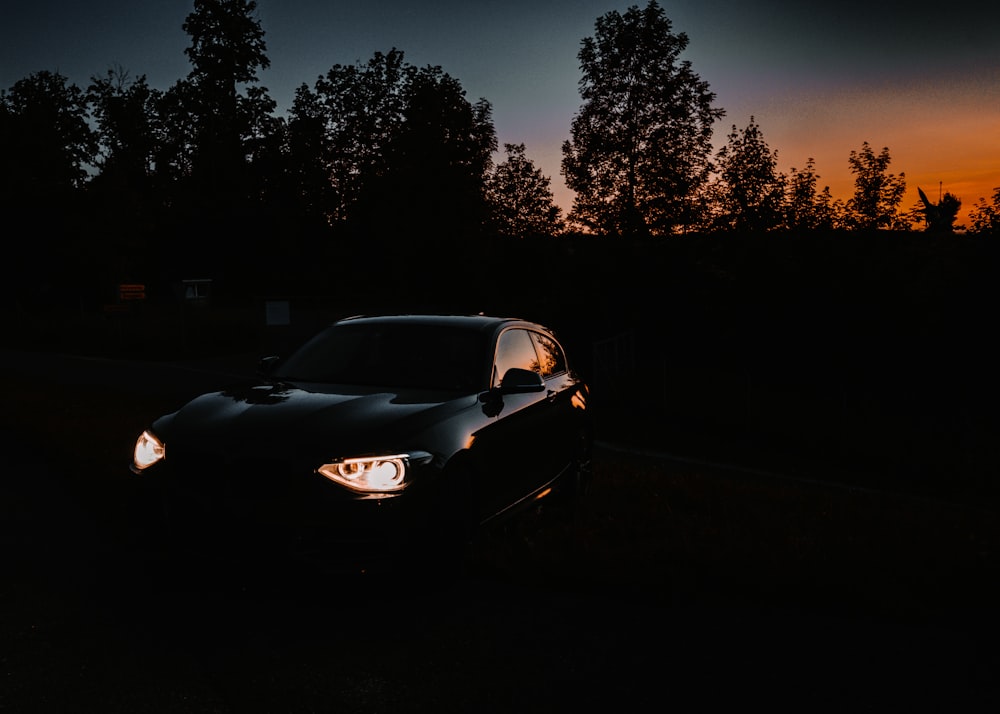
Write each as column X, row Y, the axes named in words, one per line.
column 47, row 148
column 383, row 162
column 216, row 123
column 805, row 207
column 306, row 170
column 390, row 132
column 47, row 143
column 985, row 215
column 123, row 194
column 940, row 217
column 521, row 197
column 435, row 167
column 227, row 49
column 124, row 111
column 176, row 136
column 750, row 192
column 640, row 145
column 877, row 193
column 344, row 126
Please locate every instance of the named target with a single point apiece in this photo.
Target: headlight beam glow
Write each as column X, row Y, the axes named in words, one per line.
column 369, row 474
column 148, row 450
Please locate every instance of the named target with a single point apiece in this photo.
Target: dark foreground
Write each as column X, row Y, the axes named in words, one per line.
column 684, row 587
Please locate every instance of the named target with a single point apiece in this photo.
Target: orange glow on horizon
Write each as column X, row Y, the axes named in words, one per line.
column 943, row 138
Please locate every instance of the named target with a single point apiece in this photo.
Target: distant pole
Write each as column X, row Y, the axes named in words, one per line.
column 940, row 183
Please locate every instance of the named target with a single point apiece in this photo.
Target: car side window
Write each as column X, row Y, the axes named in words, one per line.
column 514, row 349
column 550, row 356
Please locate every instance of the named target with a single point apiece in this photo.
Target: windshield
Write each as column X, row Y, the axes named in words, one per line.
column 402, row 355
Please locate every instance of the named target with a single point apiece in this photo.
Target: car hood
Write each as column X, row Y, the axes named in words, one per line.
column 284, row 416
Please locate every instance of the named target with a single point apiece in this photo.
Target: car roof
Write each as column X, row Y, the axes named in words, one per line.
column 474, row 322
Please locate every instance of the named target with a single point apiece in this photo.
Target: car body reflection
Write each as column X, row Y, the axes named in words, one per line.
column 383, row 436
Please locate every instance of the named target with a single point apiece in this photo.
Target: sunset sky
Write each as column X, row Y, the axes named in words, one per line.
column 920, row 78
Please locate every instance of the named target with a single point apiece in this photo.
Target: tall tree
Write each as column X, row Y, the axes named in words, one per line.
column 346, row 125
column 46, row 143
column 877, row 193
column 750, row 191
column 47, row 150
column 520, row 197
column 227, row 50
column 216, row 123
column 122, row 195
column 307, row 173
column 175, row 131
column 390, row 131
column 124, row 111
column 640, row 145
column 806, row 208
column 435, row 165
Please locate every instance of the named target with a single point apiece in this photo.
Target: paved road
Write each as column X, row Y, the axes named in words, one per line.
column 88, row 623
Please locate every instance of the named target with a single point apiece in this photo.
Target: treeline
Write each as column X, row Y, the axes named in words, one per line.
column 383, row 176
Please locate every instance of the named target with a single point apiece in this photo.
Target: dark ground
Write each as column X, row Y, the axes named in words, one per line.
column 681, row 586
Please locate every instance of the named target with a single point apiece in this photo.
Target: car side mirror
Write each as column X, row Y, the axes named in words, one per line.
column 267, row 365
column 521, row 381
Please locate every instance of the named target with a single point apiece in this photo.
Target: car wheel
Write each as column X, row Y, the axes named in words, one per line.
column 449, row 546
column 578, row 480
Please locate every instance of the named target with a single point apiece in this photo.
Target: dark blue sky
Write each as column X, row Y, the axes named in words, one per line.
column 921, row 78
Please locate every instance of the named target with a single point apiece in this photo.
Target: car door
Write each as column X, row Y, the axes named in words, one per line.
column 565, row 418
column 513, row 454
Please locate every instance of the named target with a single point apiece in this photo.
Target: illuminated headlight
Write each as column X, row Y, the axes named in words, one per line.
column 148, row 450
column 369, row 474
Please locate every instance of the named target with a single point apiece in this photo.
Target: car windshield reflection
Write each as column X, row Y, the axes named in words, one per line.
column 400, row 356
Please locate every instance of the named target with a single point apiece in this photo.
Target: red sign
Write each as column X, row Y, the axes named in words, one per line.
column 129, row 291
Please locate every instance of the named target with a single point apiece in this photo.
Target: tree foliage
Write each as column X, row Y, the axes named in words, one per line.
column 384, row 161
column 387, row 130
column 640, row 145
column 307, row 173
column 124, row 194
column 806, row 208
column 436, row 163
column 985, row 215
column 939, row 217
column 47, row 149
column 750, row 191
column 46, row 141
column 124, row 111
column 343, row 126
column 226, row 109
column 520, row 197
column 877, row 193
